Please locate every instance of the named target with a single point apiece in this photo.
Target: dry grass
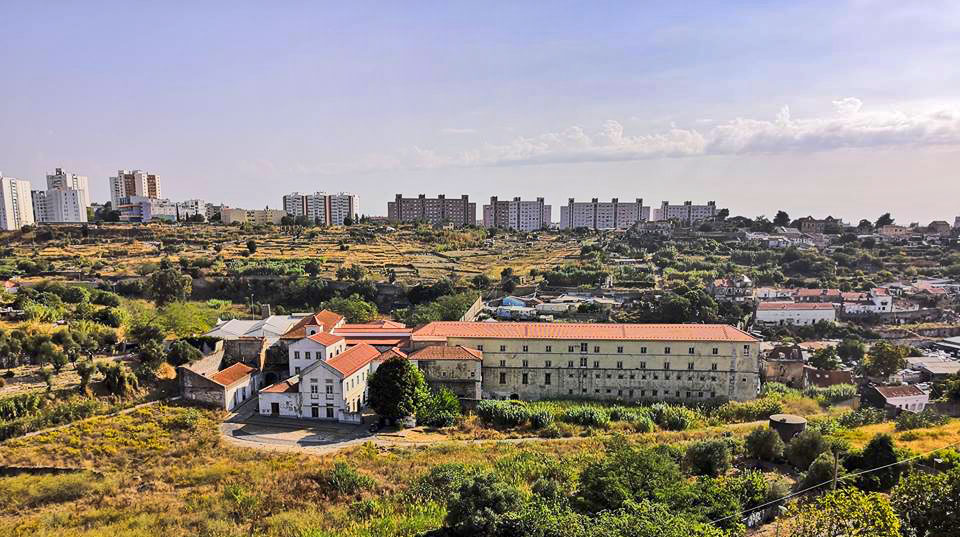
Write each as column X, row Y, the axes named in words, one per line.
column 917, row 440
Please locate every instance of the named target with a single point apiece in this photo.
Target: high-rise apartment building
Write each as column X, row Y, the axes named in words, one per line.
column 595, row 214
column 62, row 180
column 133, row 183
column 517, row 214
column 436, row 211
column 16, row 203
column 190, row 208
column 321, row 207
column 688, row 213
column 58, row 205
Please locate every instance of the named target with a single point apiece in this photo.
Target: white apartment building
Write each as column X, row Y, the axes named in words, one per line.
column 517, row 214
column 603, row 215
column 322, row 208
column 134, row 183
column 57, row 205
column 258, row 217
column 190, row 208
column 61, row 180
column 687, row 213
column 16, row 204
column 797, row 314
column 146, row 209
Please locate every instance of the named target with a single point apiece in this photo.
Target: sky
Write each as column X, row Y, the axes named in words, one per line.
column 850, row 109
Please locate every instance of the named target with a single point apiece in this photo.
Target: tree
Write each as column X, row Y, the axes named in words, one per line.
column 182, row 352
column 782, row 219
column 879, row 452
column 825, row 358
column 708, row 457
column 169, row 285
column 852, row 350
column 252, row 246
column 118, row 378
column 441, row 409
column 85, row 369
column 348, row 221
column 481, row 281
column 884, row 220
column 929, row 503
column 397, row 389
column 843, row 513
column 765, row 444
column 627, row 474
column 478, row 507
column 819, row 472
column 804, row 448
column 312, row 267
column 152, row 354
column 354, row 308
column 885, row 359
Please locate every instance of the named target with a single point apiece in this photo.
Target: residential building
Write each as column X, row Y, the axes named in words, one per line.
column 134, row 183
column 687, row 213
column 146, row 209
column 191, row 208
column 383, row 335
column 212, row 211
column 797, row 314
column 516, row 214
column 895, row 399
column 956, row 223
column 435, row 211
column 58, row 205
column 61, row 180
column 629, row 362
column 736, row 288
column 872, row 302
column 322, row 208
column 894, row 231
column 16, row 204
column 205, row 382
column 456, row 368
column 818, row 295
column 270, row 328
column 827, row 225
column 598, row 215
column 254, row 216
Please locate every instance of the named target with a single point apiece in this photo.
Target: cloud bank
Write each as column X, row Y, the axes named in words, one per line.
column 850, row 126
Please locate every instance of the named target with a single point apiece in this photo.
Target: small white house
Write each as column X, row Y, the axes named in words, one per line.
column 317, row 346
column 902, row 398
column 797, row 314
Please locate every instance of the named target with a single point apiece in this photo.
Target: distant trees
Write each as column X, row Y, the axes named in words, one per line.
column 354, row 308
column 397, row 389
column 884, row 220
column 885, row 359
column 782, row 219
column 168, row 285
column 825, row 358
column 252, row 246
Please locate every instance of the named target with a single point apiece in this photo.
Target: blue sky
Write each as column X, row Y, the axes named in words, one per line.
column 819, row 108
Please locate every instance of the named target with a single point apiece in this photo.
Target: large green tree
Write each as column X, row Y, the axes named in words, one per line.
column 844, row 513
column 885, row 359
column 169, row 285
column 397, row 389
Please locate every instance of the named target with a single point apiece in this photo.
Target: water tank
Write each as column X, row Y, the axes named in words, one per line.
column 787, row 425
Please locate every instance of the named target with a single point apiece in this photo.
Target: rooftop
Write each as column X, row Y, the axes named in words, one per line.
column 889, row 392
column 284, row 386
column 354, row 358
column 325, row 319
column 441, row 330
column 324, row 338
column 782, row 306
column 232, row 374
column 444, row 352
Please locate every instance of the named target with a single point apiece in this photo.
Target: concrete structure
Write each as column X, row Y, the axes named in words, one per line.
column 787, row 425
column 270, row 328
column 827, row 225
column 57, row 205
column 603, row 215
column 736, row 288
column 203, row 381
column 456, row 368
column 146, row 209
column 435, row 211
column 895, row 399
column 253, row 216
column 956, row 223
column 517, row 214
column 872, row 302
column 797, row 314
column 323, row 208
column 190, row 208
column 629, row 362
column 688, row 213
column 134, row 183
column 61, row 180
column 894, row 231
column 16, row 204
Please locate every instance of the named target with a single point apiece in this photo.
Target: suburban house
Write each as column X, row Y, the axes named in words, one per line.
column 872, row 302
column 797, row 314
column 736, row 288
column 323, row 321
column 203, row 381
column 457, row 368
column 818, row 295
column 895, row 399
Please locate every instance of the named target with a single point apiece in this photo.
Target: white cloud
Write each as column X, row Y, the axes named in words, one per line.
column 849, row 127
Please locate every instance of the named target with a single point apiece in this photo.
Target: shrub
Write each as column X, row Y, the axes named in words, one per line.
column 919, row 420
column 832, row 394
column 804, row 448
column 479, row 506
column 344, row 480
column 587, row 416
column 737, row 411
column 862, row 416
column 441, row 409
column 442, row 481
column 708, row 457
column 674, row 418
column 765, row 444
column 540, row 419
column 503, row 413
column 819, row 472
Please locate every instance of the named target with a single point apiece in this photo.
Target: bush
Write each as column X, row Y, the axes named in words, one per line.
column 479, row 506
column 344, row 480
column 441, row 409
column 586, row 415
column 765, row 444
column 819, row 472
column 541, row 419
column 804, row 448
column 738, row 412
column 442, row 481
column 862, row 416
column 503, row 413
column 907, row 421
column 674, row 418
column 708, row 457
column 832, row 394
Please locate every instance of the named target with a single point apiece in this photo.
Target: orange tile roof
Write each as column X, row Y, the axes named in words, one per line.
column 284, row 386
column 443, row 352
column 391, row 341
column 774, row 306
column 325, row 319
column 324, row 338
column 441, row 330
column 380, row 323
column 351, row 360
column 390, row 353
column 232, row 374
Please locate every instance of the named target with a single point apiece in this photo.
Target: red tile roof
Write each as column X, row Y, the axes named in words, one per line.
column 441, row 330
column 326, row 319
column 232, row 374
column 354, row 358
column 898, row 391
column 390, row 353
column 380, row 323
column 379, row 341
column 284, row 386
column 324, row 338
column 775, row 306
column 443, row 352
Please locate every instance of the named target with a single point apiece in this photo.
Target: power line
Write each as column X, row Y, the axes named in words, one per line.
column 808, row 489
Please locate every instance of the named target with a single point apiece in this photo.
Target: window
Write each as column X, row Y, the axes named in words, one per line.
column 666, row 350
column 583, row 362
column 296, row 370
column 546, row 378
column 716, row 350
column 313, row 389
column 688, row 395
column 480, row 347
column 503, row 378
column 713, row 394
column 643, row 350
column 619, row 365
column 526, row 363
column 654, row 393
column 549, row 348
column 746, row 350
column 526, row 348
column 503, row 363
column 666, row 365
column 596, row 364
column 526, row 377
column 632, row 376
column 547, row 363
column 296, row 355
column 503, row 348
column 583, row 347
column 570, row 348
column 596, row 348
column 569, row 363
column 306, row 355
column 620, row 350
column 643, row 365
column 689, row 365
column 691, row 350
column 630, row 394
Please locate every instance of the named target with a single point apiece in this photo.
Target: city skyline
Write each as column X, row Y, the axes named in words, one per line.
column 820, row 109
